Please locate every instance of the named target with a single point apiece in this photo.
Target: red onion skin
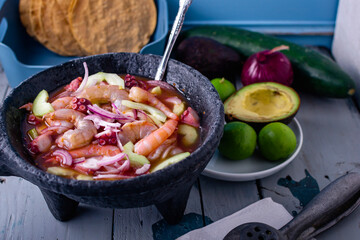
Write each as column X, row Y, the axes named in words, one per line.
column 267, row 66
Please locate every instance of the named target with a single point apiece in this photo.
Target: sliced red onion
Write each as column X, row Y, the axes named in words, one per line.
column 98, row 122
column 173, row 100
column 143, row 169
column 116, row 104
column 89, row 164
column 167, row 151
column 65, row 157
column 135, row 113
column 84, row 81
column 107, row 128
column 106, row 114
column 126, row 165
column 63, row 94
column 102, row 133
column 109, row 124
column 117, row 169
column 111, row 160
column 165, row 85
column 143, row 116
column 113, row 176
column 94, row 118
column 102, row 112
column 190, row 117
column 109, row 170
column 119, row 144
column 95, row 163
column 79, row 160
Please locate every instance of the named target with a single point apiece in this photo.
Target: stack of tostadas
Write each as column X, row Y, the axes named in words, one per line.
column 88, row 27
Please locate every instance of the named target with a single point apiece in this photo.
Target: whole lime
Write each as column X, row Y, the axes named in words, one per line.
column 238, row 141
column 276, row 141
column 224, row 87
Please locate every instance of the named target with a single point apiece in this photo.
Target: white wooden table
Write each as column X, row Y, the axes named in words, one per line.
column 331, row 148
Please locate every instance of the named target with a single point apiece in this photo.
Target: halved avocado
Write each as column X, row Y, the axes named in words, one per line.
column 261, row 103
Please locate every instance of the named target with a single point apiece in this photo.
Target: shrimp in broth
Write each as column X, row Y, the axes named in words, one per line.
column 111, row 129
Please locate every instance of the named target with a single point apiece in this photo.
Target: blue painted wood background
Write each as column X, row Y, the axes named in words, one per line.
column 303, row 21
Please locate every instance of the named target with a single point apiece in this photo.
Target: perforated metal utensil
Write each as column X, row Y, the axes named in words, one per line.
column 175, row 31
column 333, row 203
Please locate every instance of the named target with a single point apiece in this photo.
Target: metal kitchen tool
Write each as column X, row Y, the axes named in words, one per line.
column 179, row 20
column 332, row 204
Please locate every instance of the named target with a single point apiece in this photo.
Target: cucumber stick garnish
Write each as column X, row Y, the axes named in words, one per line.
column 40, row 105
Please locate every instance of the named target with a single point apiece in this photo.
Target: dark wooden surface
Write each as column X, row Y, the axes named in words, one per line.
column 331, row 148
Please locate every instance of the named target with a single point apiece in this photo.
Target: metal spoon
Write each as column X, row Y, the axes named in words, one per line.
column 179, row 20
column 332, row 204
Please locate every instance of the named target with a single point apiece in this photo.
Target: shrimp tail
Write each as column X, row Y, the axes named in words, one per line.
column 156, row 138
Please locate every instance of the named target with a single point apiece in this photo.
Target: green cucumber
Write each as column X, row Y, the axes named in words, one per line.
column 32, row 133
column 110, row 78
column 170, row 161
column 189, row 133
column 136, row 160
column 40, row 104
column 159, row 115
column 313, row 71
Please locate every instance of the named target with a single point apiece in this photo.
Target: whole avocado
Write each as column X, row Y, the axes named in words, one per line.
column 211, row 58
column 313, row 71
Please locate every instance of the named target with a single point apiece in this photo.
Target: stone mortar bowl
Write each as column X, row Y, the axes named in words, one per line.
column 168, row 188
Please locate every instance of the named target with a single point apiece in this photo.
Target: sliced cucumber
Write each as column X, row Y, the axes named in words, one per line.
column 172, row 160
column 32, row 133
column 136, row 160
column 153, row 111
column 178, row 109
column 110, row 78
column 40, row 104
column 190, row 134
column 156, row 90
column 63, row 172
column 84, row 177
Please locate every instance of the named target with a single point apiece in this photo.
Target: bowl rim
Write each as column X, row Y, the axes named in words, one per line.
column 153, row 180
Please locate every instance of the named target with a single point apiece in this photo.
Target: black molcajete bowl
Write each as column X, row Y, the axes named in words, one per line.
column 168, row 188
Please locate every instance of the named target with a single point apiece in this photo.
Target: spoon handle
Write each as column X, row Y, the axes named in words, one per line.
column 333, row 203
column 179, row 20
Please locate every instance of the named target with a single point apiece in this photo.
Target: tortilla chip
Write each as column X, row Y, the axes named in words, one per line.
column 62, row 28
column 87, row 27
column 52, row 41
column 116, row 26
column 35, row 20
column 24, row 10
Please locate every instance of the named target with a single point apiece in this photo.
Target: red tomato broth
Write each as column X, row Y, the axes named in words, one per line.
column 46, row 160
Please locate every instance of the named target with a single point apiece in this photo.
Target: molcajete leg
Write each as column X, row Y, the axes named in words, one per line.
column 4, row 171
column 61, row 207
column 173, row 209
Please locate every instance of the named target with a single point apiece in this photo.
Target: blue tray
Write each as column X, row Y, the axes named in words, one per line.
column 21, row 56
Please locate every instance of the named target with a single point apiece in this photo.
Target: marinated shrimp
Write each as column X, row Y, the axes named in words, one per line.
column 148, row 144
column 140, row 95
column 60, row 103
column 88, row 129
column 93, row 150
column 74, row 138
column 105, row 94
column 42, row 143
column 165, row 150
column 135, row 131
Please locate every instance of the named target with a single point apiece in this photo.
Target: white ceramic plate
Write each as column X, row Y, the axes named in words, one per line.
column 254, row 167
